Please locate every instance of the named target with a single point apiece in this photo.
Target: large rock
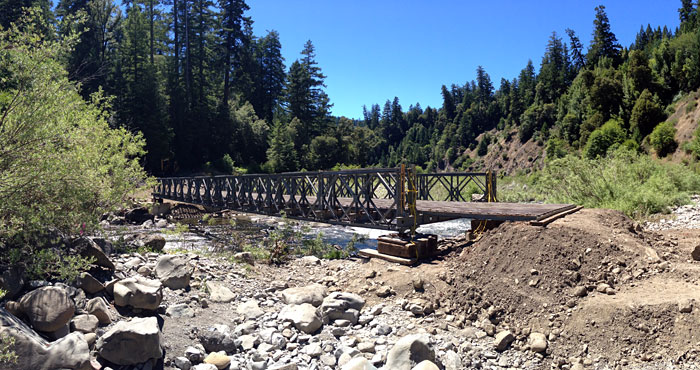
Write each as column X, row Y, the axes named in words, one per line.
column 33, row 352
column 84, row 323
column 343, row 306
column 12, row 282
column 304, row 316
column 410, row 351
column 250, row 310
column 153, row 242
column 426, row 365
column 312, row 294
column 98, row 307
column 217, row 338
column 696, row 253
column 218, row 359
column 503, row 340
column 138, row 292
column 131, row 342
column 87, row 247
column 219, row 293
column 48, row 308
column 138, row 215
column 173, row 271
column 537, row 342
column 358, row 363
column 89, row 284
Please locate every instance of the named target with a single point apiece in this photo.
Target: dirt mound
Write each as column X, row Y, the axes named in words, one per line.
column 521, row 269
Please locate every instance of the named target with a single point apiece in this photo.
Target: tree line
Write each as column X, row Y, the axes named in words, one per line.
column 208, row 94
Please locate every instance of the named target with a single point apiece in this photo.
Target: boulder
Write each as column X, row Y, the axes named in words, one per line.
column 89, row 284
column 84, row 323
column 695, row 254
column 503, row 339
column 426, row 365
column 358, row 363
column 12, row 282
column 219, row 293
column 153, row 242
column 304, row 316
column 138, row 292
column 249, row 310
column 343, row 306
column 138, row 215
column 410, row 351
column 537, row 342
column 245, row 257
column 33, row 352
column 173, row 271
column 87, row 247
column 312, row 294
column 48, row 308
column 131, row 342
column 98, row 307
column 218, row 359
column 179, row 310
column 452, row 361
column 217, row 338
column 104, row 244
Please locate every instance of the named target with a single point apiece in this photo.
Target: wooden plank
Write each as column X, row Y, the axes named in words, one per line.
column 554, row 217
column 371, row 253
column 407, row 251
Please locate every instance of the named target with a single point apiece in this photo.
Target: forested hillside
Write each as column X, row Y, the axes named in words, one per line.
column 208, row 94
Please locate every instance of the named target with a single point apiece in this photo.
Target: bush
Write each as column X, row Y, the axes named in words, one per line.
column 61, row 165
column 556, row 148
column 662, row 139
column 483, row 146
column 635, row 184
column 603, row 139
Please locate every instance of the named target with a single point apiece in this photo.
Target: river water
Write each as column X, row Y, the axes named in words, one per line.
column 248, row 228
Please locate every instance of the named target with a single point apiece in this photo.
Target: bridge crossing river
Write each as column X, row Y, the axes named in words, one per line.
column 385, row 198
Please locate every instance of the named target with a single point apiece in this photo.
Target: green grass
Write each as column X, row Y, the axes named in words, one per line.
column 635, row 184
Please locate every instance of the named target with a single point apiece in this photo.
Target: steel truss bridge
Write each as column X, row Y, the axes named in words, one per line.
column 383, row 198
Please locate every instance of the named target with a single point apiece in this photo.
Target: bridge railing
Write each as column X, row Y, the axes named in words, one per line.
column 380, row 198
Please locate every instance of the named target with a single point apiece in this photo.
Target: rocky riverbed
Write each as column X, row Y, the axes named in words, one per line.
column 183, row 306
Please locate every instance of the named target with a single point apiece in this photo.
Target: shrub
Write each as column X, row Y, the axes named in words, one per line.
column 662, row 139
column 556, row 148
column 604, row 138
column 483, row 146
column 7, row 353
column 633, row 183
column 61, row 165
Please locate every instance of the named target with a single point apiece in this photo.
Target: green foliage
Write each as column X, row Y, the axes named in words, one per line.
column 483, row 146
column 50, row 264
column 61, row 165
column 691, row 106
column 646, row 114
column 2, row 293
column 556, row 148
column 693, row 146
column 662, row 139
column 7, row 353
column 603, row 139
column 624, row 180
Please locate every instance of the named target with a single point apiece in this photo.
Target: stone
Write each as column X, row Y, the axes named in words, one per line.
column 418, row 284
column 249, row 310
column 579, row 291
column 48, row 308
column 602, row 287
column 502, row 340
column 685, row 306
column 696, row 253
column 153, row 242
column 217, row 338
column 248, row 341
column 89, row 284
column 328, row 360
column 304, row 316
column 179, row 310
column 218, row 359
column 312, row 294
column 537, row 342
column 87, row 247
column 98, row 307
column 84, row 323
column 419, row 307
column 194, row 355
column 452, row 361
column 90, row 338
column 310, row 260
column 138, row 292
column 245, row 257
column 359, row 363
column 340, row 305
column 34, row 352
column 290, row 366
column 383, row 291
column 313, row 350
column 12, row 282
column 131, row 342
column 173, row 271
column 204, row 367
column 138, row 215
column 366, row 347
column 219, row 293
column 426, row 365
column 182, row 363
column 409, row 351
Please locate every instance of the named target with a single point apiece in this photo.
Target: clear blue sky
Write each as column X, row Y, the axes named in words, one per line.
column 373, row 50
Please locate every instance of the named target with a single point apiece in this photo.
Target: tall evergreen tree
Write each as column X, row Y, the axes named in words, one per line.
column 604, row 43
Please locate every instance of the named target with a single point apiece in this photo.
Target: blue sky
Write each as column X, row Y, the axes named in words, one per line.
column 374, row 50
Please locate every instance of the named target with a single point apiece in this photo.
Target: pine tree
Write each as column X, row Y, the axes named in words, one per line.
column 604, row 43
column 578, row 60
